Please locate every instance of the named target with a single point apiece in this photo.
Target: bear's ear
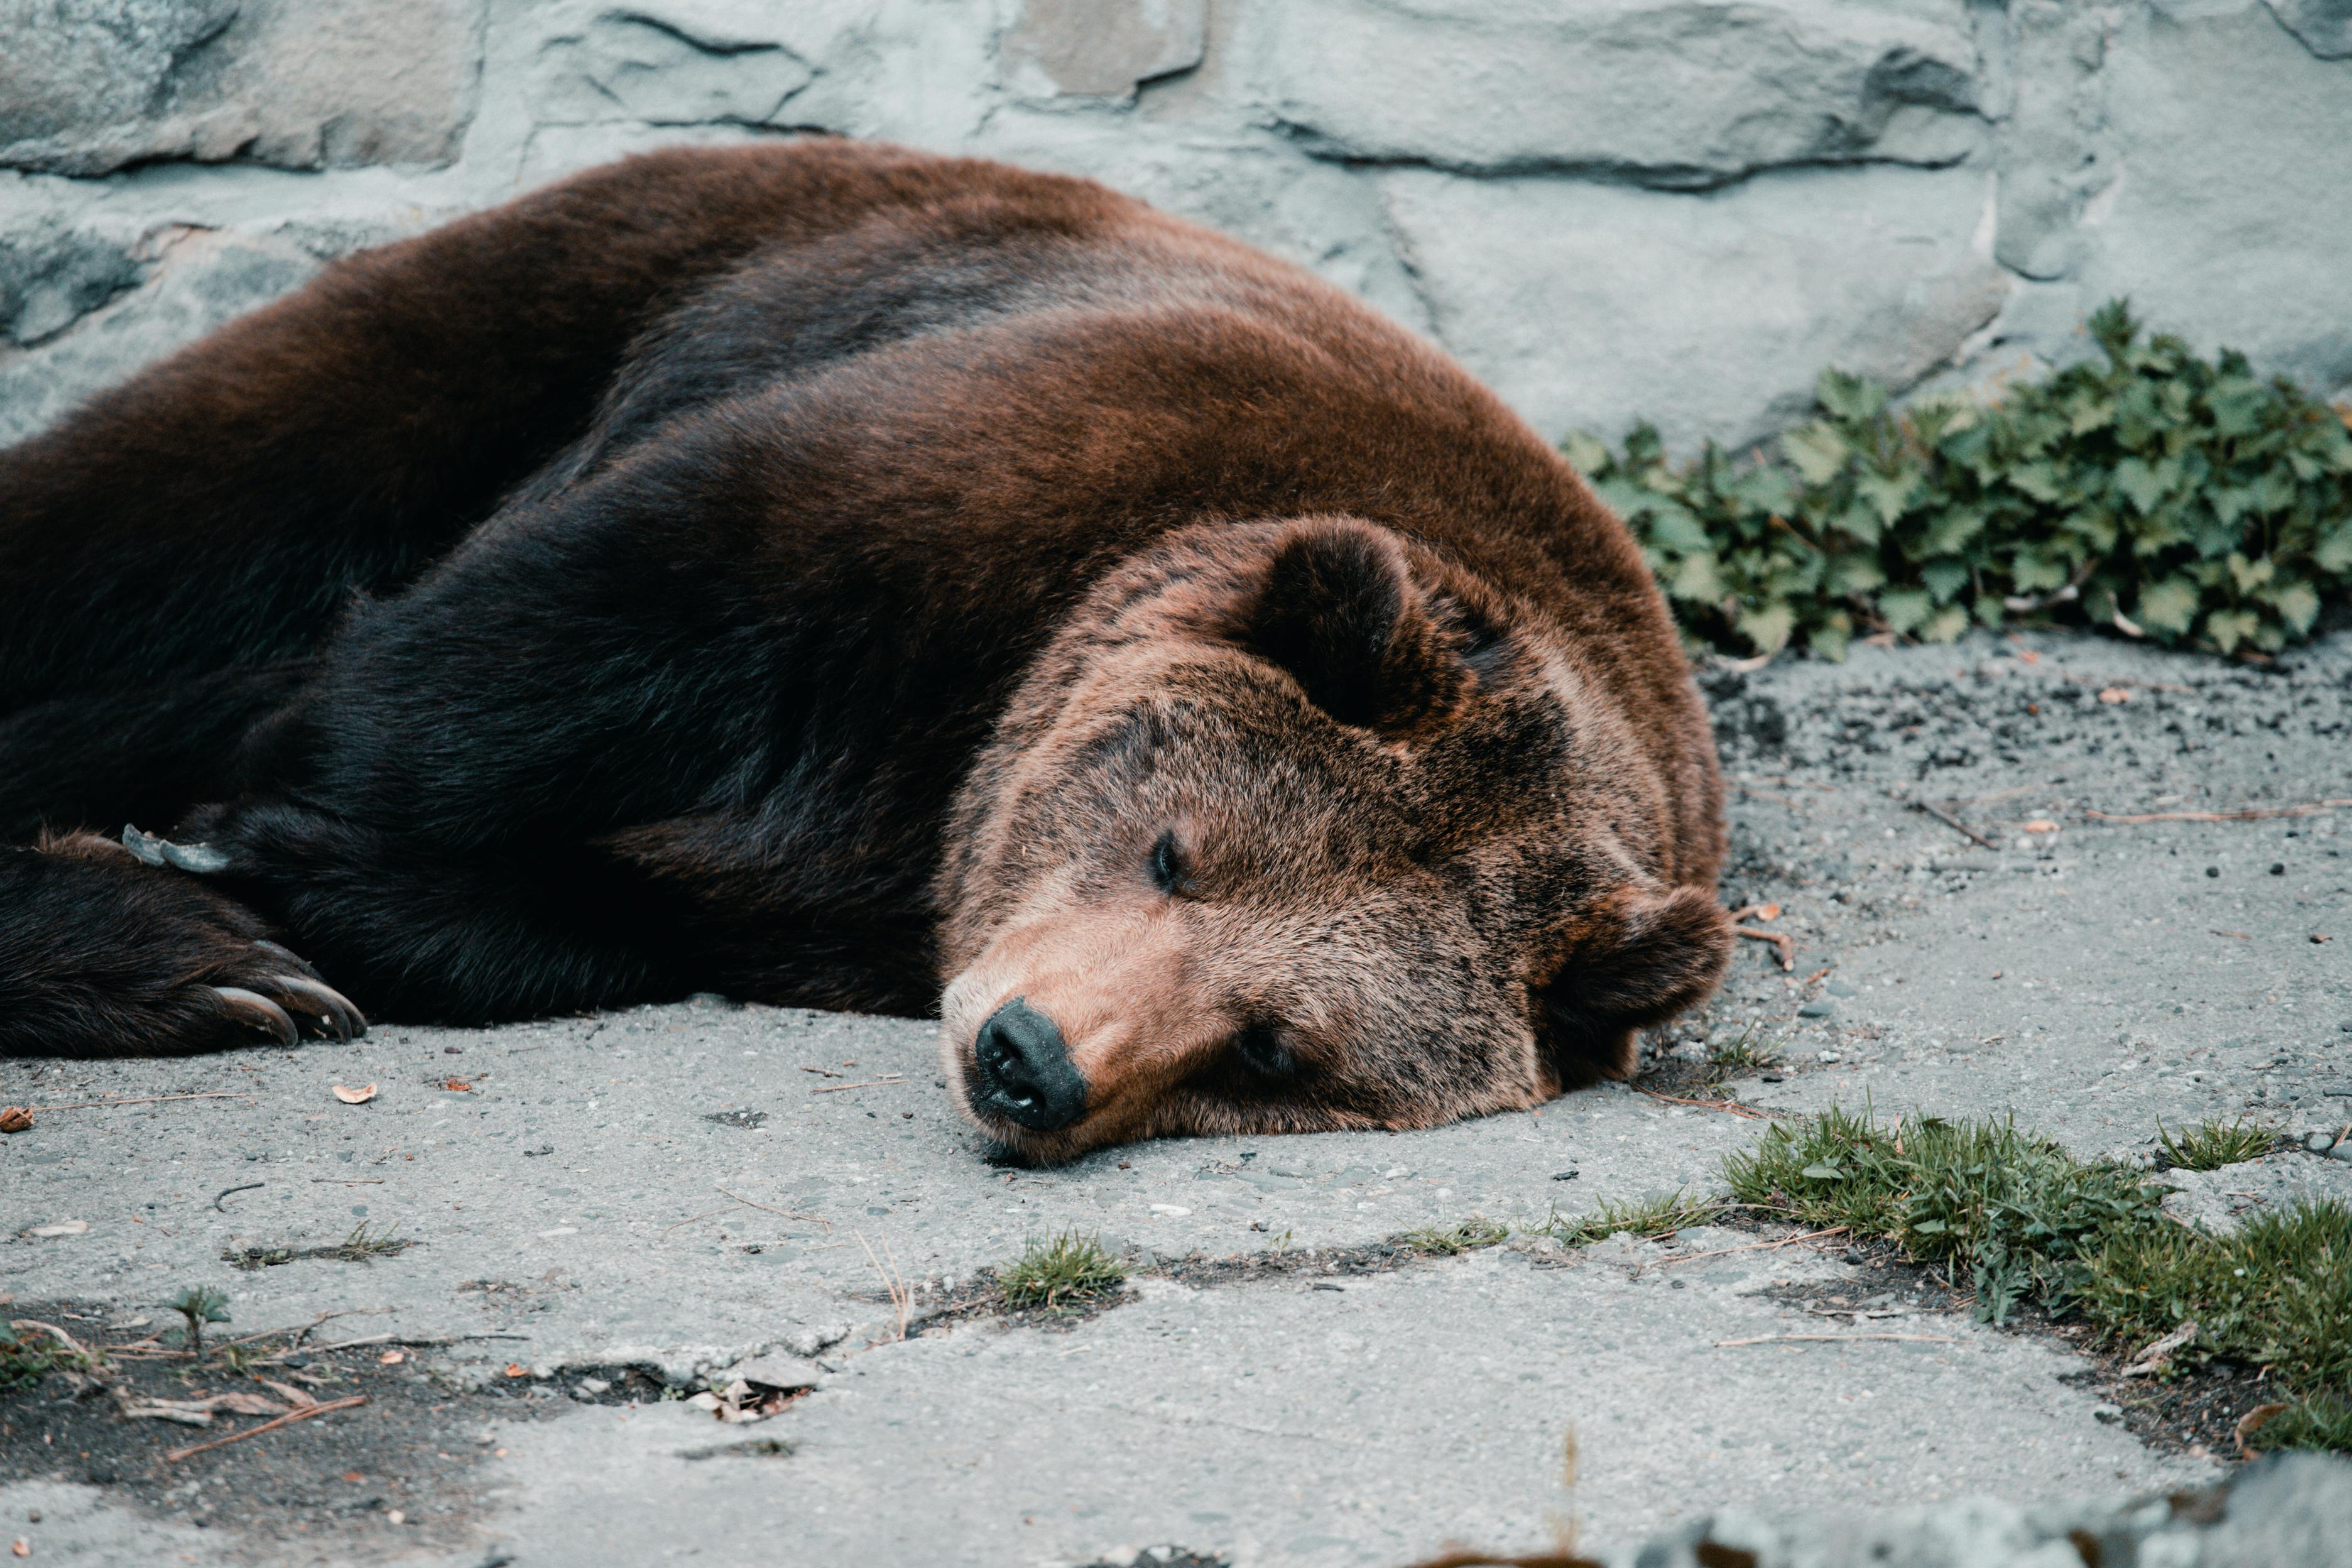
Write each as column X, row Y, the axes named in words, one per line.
column 1338, row 609
column 1634, row 960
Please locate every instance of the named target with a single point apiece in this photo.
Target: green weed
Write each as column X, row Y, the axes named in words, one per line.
column 2031, row 1224
column 1465, row 1235
column 2164, row 494
column 199, row 1304
column 1745, row 1055
column 2015, row 1211
column 1644, row 1217
column 2210, row 1145
column 1065, row 1271
column 27, row 1356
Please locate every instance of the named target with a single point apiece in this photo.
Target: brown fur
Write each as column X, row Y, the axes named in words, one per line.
column 913, row 572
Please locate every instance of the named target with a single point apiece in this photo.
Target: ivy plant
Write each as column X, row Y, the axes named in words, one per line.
column 2168, row 497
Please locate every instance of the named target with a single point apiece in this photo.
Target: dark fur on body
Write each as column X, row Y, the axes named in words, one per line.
column 809, row 572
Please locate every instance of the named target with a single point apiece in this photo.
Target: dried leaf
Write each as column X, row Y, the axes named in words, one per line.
column 15, row 1118
column 294, row 1396
column 2041, row 825
column 355, row 1096
column 515, row 1369
column 1767, row 913
column 457, row 1086
column 62, row 1227
column 2251, row 1422
column 392, row 1358
column 2114, row 694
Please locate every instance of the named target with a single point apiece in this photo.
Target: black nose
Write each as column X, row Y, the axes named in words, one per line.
column 1025, row 1073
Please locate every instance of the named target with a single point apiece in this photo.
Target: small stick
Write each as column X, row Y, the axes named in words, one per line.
column 738, row 1203
column 786, row 1213
column 1954, row 823
column 304, row 1413
column 421, row 1341
column 2217, row 931
column 224, row 1192
column 869, row 1083
column 1834, row 1339
column 1754, row 1246
column 1733, row 1106
column 347, row 1181
column 1786, row 943
column 822, row 1072
column 148, row 1099
column 1760, row 795
column 2251, row 813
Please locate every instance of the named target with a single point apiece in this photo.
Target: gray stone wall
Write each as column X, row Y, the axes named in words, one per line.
column 1609, row 208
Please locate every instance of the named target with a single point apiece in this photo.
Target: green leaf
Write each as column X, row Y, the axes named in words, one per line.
column 2169, row 607
column 2145, row 484
column 2297, row 604
column 1929, row 1227
column 1888, row 494
column 1767, row 489
column 2040, row 480
column 1697, row 579
column 1953, row 531
column 2333, row 553
column 1822, row 1174
column 1589, row 453
column 1818, row 451
column 1945, row 625
column 1849, row 397
column 1856, row 572
column 1905, row 609
column 1945, row 579
column 1768, row 628
column 2228, row 628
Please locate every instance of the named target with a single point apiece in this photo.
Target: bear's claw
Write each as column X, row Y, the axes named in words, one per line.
column 336, row 1009
column 252, row 1007
column 288, row 1006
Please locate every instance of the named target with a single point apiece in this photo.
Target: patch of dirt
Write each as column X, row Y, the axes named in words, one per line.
column 412, row 1450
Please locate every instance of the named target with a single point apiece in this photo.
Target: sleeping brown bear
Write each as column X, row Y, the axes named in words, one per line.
column 821, row 572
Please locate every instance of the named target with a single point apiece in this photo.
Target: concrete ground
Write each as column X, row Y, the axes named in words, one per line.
column 678, row 1188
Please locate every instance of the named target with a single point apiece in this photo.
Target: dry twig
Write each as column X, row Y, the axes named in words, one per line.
column 146, row 1100
column 303, row 1414
column 901, row 1298
column 786, row 1213
column 1836, row 1339
column 1786, row 943
column 2251, row 813
column 1733, row 1106
column 869, row 1083
column 1954, row 823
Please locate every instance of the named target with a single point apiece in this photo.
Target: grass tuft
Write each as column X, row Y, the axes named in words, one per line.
column 1646, row 1217
column 1064, row 1272
column 2032, row 1224
column 1745, row 1055
column 2210, row 1145
column 1465, row 1236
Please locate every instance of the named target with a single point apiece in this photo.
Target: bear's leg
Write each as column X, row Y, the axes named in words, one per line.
column 101, row 955
column 426, row 931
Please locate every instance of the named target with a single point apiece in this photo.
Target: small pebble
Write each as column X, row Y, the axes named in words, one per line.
column 2212, row 870
column 2278, row 868
column 1818, row 1010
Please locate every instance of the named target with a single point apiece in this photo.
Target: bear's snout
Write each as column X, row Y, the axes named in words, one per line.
column 1026, row 1074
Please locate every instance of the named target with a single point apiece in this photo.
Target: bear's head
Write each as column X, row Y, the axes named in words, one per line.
column 1298, row 826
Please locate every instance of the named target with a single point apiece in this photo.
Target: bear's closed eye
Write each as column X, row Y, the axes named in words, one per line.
column 1167, row 867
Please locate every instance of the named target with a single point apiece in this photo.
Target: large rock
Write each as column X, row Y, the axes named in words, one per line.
column 2229, row 220
column 1101, row 48
column 1586, row 305
column 51, row 275
column 1675, row 92
column 679, row 62
column 200, row 280
column 88, row 85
